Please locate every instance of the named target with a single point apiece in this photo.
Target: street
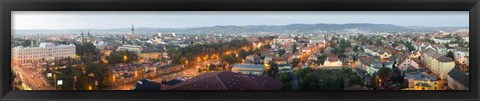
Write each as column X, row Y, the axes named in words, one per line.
column 32, row 79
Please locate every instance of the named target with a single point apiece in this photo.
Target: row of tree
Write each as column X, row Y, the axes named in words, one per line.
column 189, row 53
column 82, row 73
column 327, row 79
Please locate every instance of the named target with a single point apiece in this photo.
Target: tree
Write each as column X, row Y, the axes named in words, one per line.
column 86, row 48
column 101, row 73
column 414, row 39
column 396, row 73
column 294, row 48
column 273, row 70
column 183, row 60
column 450, row 54
column 322, row 58
column 26, row 43
column 295, row 62
column 286, row 79
column 303, row 72
column 384, row 74
column 356, row 48
column 200, row 50
column 229, row 59
column 296, row 38
column 409, row 46
column 242, row 53
column 281, row 52
column 378, row 42
column 121, row 57
column 309, row 82
column 63, row 42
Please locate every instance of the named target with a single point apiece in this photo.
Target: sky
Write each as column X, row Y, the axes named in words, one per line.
column 188, row 19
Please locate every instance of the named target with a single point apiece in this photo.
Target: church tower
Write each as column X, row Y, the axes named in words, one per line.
column 38, row 40
column 82, row 38
column 123, row 39
column 133, row 29
column 90, row 37
column 131, row 35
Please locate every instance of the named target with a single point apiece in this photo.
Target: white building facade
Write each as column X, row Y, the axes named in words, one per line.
column 133, row 48
column 45, row 51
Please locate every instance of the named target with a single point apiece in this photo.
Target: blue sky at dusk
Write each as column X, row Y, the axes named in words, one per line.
column 188, row 19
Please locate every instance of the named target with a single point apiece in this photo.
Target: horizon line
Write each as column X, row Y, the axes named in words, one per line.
column 235, row 25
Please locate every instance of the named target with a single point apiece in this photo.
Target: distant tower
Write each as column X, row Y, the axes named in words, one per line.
column 32, row 43
column 38, row 40
column 133, row 29
column 82, row 38
column 90, row 37
column 173, row 33
column 131, row 35
column 123, row 40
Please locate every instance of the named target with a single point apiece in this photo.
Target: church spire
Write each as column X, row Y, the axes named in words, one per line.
column 38, row 40
column 133, row 28
column 123, row 39
column 82, row 37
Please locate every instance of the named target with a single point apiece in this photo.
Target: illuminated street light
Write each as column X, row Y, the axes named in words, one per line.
column 74, row 81
column 113, row 78
column 125, row 58
column 380, row 82
column 89, row 87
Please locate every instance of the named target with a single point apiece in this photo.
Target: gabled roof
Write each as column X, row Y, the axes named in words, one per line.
column 460, row 48
column 172, row 82
column 367, row 60
column 440, row 46
column 436, row 55
column 228, row 81
column 459, row 76
column 147, row 85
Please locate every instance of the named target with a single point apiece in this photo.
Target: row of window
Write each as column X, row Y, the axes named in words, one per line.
column 42, row 49
column 36, row 60
column 54, row 52
column 45, row 55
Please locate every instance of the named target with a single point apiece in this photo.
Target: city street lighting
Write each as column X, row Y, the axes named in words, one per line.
column 74, row 81
column 89, row 87
column 125, row 58
column 113, row 80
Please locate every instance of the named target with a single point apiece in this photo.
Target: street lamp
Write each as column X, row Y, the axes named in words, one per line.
column 89, row 87
column 380, row 82
column 113, row 80
column 55, row 80
column 74, row 81
column 125, row 58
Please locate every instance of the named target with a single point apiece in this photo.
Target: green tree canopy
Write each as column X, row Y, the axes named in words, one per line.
column 384, row 74
column 26, row 43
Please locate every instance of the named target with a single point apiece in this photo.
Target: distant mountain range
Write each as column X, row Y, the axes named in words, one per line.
column 292, row 28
